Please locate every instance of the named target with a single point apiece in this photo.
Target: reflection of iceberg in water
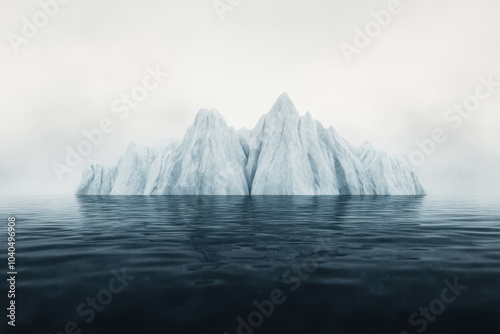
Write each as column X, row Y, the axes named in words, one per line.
column 243, row 230
column 285, row 154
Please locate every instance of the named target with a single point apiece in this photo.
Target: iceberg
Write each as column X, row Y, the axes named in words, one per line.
column 285, row 154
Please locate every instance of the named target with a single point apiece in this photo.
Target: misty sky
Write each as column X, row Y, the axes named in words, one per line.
column 394, row 92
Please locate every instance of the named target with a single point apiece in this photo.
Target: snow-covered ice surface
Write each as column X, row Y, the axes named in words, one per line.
column 285, row 154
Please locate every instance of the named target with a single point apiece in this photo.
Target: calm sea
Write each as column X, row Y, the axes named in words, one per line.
column 254, row 265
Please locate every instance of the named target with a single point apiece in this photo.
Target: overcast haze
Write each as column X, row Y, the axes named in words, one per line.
column 394, row 92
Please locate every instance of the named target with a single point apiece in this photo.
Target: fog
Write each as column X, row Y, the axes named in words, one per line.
column 394, row 91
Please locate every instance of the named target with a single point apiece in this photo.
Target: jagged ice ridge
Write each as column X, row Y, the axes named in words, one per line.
column 285, row 154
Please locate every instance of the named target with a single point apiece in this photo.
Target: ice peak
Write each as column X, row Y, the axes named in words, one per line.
column 366, row 143
column 309, row 116
column 284, row 107
column 369, row 146
column 284, row 96
column 209, row 116
column 210, row 113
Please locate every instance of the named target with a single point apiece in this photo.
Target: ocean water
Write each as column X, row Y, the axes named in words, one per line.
column 255, row 264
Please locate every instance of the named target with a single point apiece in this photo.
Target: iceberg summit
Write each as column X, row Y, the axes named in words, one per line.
column 285, row 154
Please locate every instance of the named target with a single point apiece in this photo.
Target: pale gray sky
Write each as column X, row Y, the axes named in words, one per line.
column 395, row 91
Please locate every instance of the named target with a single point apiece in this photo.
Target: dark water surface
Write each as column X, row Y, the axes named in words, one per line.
column 330, row 264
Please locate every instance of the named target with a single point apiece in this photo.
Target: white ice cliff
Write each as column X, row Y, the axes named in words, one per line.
column 285, row 154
